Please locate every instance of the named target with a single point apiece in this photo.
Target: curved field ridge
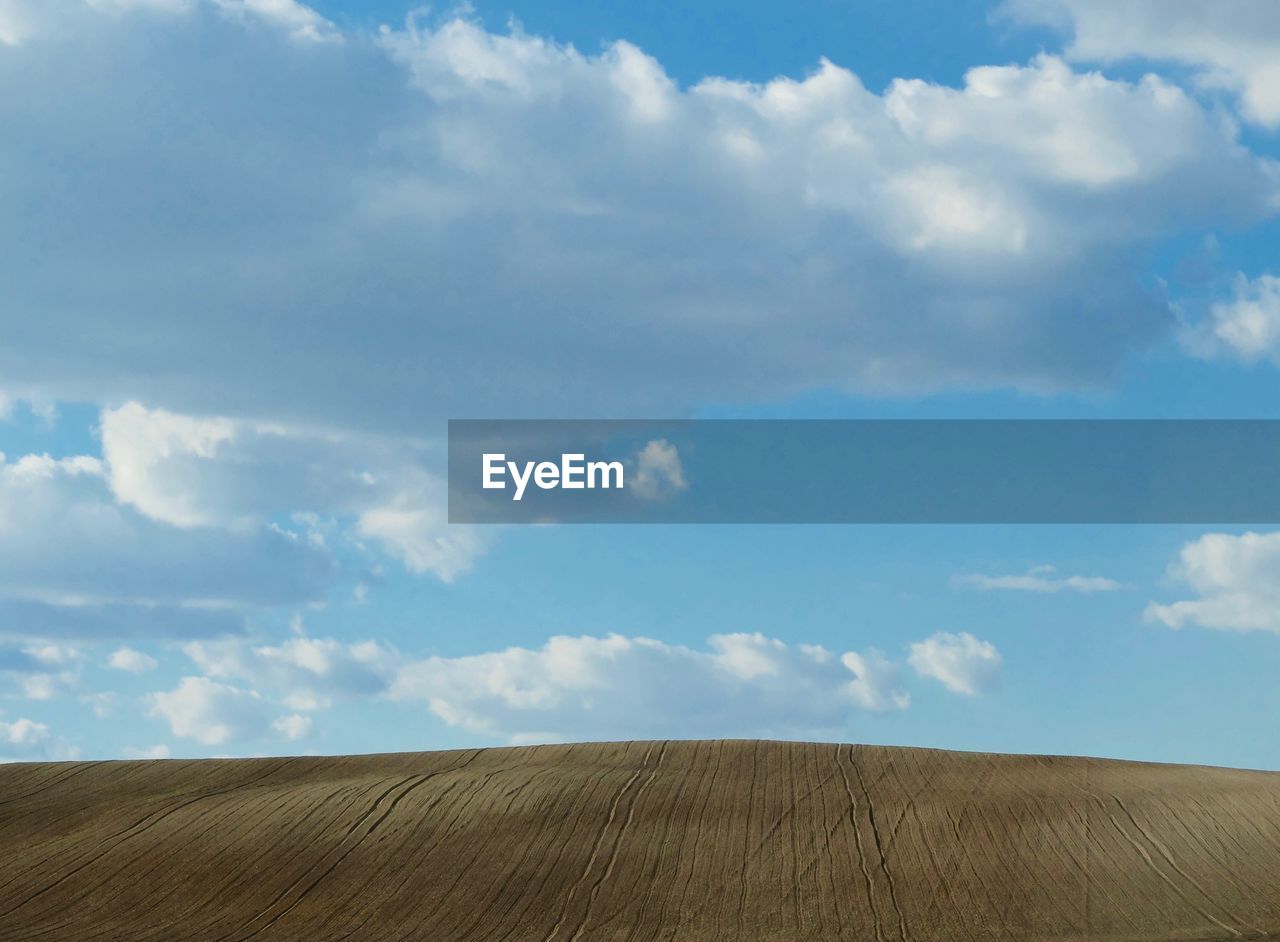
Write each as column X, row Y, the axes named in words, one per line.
column 630, row 842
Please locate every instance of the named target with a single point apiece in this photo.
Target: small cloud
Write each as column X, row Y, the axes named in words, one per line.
column 54, row 654
column 135, row 662
column 413, row 526
column 209, row 712
column 102, row 703
column 304, row 673
column 23, row 733
column 658, row 472
column 1236, row 579
column 46, row 670
column 25, row 739
column 960, row 662
column 41, row 686
column 292, row 727
column 1039, row 579
column 1246, row 326
column 46, row 411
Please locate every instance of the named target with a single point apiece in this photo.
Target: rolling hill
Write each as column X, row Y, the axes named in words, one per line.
column 631, row 842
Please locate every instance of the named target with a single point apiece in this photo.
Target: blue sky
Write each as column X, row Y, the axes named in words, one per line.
column 256, row 254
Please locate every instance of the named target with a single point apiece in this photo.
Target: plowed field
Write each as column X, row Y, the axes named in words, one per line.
column 732, row 841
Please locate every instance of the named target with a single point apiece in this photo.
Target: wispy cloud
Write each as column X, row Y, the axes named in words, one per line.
column 1037, row 579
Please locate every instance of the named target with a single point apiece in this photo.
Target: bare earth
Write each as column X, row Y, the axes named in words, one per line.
column 734, row 841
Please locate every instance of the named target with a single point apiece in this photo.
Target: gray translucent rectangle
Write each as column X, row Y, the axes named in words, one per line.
column 869, row 471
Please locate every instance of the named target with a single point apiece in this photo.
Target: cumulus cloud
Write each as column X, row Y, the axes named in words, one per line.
column 1245, row 326
column 58, row 671
column 248, row 692
column 657, row 471
column 22, row 734
column 350, row 241
column 135, row 662
column 1038, row 579
column 960, row 662
column 571, row 688
column 292, row 727
column 72, row 560
column 304, row 673
column 29, row 740
column 211, row 713
column 1235, row 44
column 40, row 671
column 193, row 471
column 413, row 526
column 346, row 238
column 1236, row 579
column 632, row 687
column 306, row 263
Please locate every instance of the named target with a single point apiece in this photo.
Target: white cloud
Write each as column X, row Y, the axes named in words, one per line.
column 214, row 471
column 1234, row 43
column 41, row 671
column 140, row 445
column 1038, row 579
column 303, row 673
column 246, row 692
column 208, row 712
column 27, row 740
column 292, row 727
column 341, row 237
column 135, row 662
column 74, row 561
column 43, row 686
column 299, row 21
column 657, row 471
column 1236, row 578
column 23, row 733
column 336, row 247
column 570, row 688
column 413, row 526
column 55, row 654
column 623, row 687
column 23, row 20
column 1247, row 326
column 961, row 662
column 18, row 20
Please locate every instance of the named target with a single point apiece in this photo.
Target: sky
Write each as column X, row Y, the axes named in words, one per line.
column 255, row 254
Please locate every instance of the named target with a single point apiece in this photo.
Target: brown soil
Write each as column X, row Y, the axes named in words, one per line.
column 733, row 841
